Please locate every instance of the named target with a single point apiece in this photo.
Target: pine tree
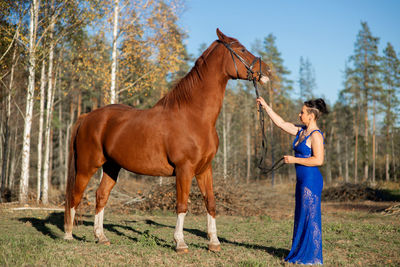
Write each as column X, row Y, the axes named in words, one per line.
column 366, row 68
column 306, row 81
column 391, row 104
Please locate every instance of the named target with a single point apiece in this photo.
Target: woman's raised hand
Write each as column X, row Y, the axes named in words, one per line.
column 261, row 101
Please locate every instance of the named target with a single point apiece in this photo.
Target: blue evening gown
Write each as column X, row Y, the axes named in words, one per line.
column 307, row 238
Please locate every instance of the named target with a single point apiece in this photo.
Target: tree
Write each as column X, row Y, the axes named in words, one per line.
column 113, row 95
column 366, row 67
column 306, row 80
column 24, row 182
column 391, row 85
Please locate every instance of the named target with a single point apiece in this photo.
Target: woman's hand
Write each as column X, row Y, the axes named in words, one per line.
column 261, row 101
column 289, row 159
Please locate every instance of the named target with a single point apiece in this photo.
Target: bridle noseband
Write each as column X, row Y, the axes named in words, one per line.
column 249, row 67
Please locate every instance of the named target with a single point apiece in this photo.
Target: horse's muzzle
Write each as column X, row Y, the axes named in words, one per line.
column 264, row 79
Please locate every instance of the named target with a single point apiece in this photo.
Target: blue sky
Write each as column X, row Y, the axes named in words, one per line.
column 322, row 31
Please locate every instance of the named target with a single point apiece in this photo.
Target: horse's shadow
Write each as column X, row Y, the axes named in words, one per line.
column 57, row 219
column 276, row 252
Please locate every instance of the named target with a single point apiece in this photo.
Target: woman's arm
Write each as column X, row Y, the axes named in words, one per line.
column 286, row 126
column 317, row 159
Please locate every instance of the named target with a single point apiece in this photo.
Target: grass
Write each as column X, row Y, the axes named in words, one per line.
column 350, row 238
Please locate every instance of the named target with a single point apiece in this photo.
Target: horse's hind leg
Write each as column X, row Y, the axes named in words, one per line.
column 204, row 182
column 110, row 175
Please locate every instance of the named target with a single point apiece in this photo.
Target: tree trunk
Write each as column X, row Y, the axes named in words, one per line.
column 14, row 159
column 113, row 95
column 60, row 137
column 224, row 138
column 67, row 140
column 346, row 161
column 373, row 142
column 248, row 150
column 271, row 126
column 7, row 135
column 49, row 111
column 24, row 179
column 356, row 148
column 248, row 141
column 393, row 159
column 40, row 134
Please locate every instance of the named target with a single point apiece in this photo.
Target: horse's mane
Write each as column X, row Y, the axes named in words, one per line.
column 182, row 92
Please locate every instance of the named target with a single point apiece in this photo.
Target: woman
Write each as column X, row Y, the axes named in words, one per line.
column 309, row 154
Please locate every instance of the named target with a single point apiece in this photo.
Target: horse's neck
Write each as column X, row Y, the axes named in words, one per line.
column 209, row 95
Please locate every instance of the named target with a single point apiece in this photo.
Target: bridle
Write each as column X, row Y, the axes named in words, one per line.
column 249, row 67
column 250, row 77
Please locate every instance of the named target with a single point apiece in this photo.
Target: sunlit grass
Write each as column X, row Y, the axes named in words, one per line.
column 144, row 239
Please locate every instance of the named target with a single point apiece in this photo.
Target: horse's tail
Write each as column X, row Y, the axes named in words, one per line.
column 71, row 172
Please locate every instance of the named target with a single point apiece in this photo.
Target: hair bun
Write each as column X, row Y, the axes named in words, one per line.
column 321, row 106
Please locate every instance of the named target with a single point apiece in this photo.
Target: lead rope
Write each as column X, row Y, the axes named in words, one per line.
column 279, row 163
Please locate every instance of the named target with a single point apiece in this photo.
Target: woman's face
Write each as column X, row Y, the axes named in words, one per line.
column 304, row 116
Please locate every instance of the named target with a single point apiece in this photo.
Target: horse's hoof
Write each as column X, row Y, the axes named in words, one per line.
column 104, row 242
column 182, row 250
column 214, row 248
column 68, row 237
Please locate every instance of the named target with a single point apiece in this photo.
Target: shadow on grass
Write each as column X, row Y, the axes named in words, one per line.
column 57, row 219
column 276, row 252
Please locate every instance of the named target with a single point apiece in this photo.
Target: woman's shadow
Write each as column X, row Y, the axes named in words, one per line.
column 57, row 219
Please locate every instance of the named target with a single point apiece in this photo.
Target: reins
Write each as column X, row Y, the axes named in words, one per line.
column 250, row 77
column 279, row 163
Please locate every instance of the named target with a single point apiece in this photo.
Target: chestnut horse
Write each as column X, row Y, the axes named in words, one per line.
column 176, row 137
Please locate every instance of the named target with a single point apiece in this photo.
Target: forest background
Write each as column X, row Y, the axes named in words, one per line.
column 59, row 59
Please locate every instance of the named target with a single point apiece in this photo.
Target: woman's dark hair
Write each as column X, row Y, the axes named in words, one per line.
column 317, row 107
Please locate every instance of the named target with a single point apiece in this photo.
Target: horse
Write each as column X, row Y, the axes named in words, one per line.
column 176, row 137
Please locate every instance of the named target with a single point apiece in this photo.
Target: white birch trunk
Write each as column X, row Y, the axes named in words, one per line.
column 113, row 95
column 40, row 134
column 24, row 179
column 49, row 110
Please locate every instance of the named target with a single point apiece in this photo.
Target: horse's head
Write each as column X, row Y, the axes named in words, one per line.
column 243, row 64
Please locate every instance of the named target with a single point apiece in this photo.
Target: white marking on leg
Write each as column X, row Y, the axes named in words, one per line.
column 68, row 228
column 178, row 235
column 98, row 227
column 212, row 230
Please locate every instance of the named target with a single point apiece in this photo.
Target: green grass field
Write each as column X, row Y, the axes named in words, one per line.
column 34, row 238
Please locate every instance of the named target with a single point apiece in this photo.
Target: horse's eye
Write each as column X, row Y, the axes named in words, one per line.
column 243, row 50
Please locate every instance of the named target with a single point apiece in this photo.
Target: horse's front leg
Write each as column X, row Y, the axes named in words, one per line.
column 205, row 182
column 184, row 177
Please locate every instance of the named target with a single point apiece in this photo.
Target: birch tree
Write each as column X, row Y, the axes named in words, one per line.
column 113, row 95
column 25, row 164
column 49, row 108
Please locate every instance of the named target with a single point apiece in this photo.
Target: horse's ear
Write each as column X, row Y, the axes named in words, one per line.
column 222, row 37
